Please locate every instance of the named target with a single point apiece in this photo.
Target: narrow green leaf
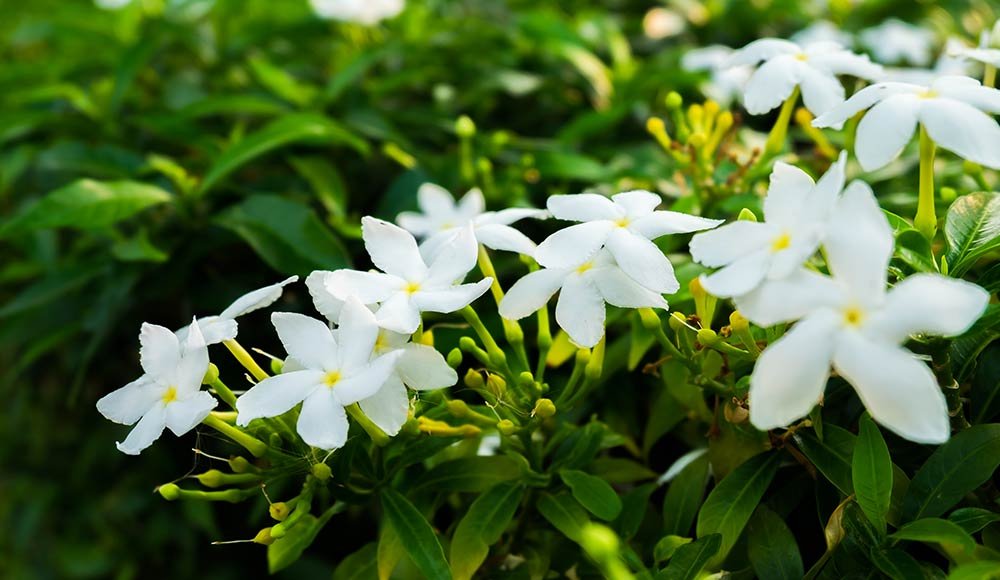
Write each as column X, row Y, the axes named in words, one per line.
column 831, row 456
column 982, row 570
column 288, row 548
column 416, row 535
column 667, row 547
column 896, row 564
column 871, row 470
column 729, row 506
column 482, row 526
column 967, row 348
column 680, row 505
column 593, row 493
column 956, row 468
column 635, row 503
column 471, row 474
column 936, row 530
column 564, row 513
column 973, row 519
column 361, row 565
column 690, row 559
column 771, row 546
column 985, row 393
column 972, row 229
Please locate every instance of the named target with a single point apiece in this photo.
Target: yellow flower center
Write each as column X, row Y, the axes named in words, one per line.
column 854, row 316
column 801, row 56
column 170, row 395
column 380, row 342
column 781, row 242
column 412, row 287
column 584, row 267
column 331, row 379
column 622, row 222
column 928, row 94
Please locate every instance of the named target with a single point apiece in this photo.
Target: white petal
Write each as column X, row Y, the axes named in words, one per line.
column 276, row 395
column 450, row 299
column 325, row 302
column 422, row 367
column 583, row 207
column 771, row 84
column 472, row 204
column 580, row 311
column 739, row 277
column 389, row 407
column 791, row 373
column 983, row 98
column 129, row 403
column 191, row 369
column 821, row 200
column 786, row 194
column 501, row 237
column 392, row 249
column 885, row 130
column 531, row 292
column 618, row 289
column 159, row 352
column 306, row 339
column 455, row 259
column 508, row 216
column 899, row 391
column 643, row 261
column 399, row 314
column 661, row 223
column 731, row 242
column 214, row 329
column 859, row 244
column 147, row 430
column 260, row 298
column 358, row 333
column 323, row 421
column 762, row 49
column 367, row 381
column 862, row 100
column 928, row 304
column 963, row 129
column 415, row 223
column 369, row 287
column 788, row 299
column 844, row 62
column 802, row 247
column 821, row 90
column 574, row 245
column 435, row 201
column 637, row 203
column 185, row 414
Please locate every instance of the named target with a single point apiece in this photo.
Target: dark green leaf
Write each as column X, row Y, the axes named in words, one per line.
column 667, row 546
column 288, row 548
column 832, row 455
column 471, row 474
column 564, row 513
column 361, row 565
column 871, row 470
column 896, row 564
column 593, row 493
column 482, row 526
column 973, row 519
column 566, row 165
column 986, row 386
column 634, row 506
column 690, row 559
column 936, row 530
column 771, row 546
column 416, row 535
column 680, row 505
column 983, row 570
column 972, row 229
column 965, row 349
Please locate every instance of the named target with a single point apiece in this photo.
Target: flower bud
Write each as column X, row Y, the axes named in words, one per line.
column 506, row 426
column 544, row 408
column 677, row 321
column 455, row 358
column 464, row 127
column 496, row 385
column 279, row 510
column 599, row 541
column 708, row 337
column 738, row 322
column 704, row 303
column 276, row 366
column 211, row 478
column 650, row 320
column 474, row 380
column 747, row 215
column 264, row 537
column 526, row 380
column 169, row 491
column 948, row 194
column 240, row 464
column 321, row 471
column 211, row 375
column 457, row 408
column 674, row 100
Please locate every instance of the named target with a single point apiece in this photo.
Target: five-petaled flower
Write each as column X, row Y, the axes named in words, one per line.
column 216, row 329
column 168, row 395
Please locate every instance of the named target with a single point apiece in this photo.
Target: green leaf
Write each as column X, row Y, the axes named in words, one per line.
column 967, row 348
column 936, row 531
column 982, row 570
column 593, row 493
column 973, row 519
column 680, row 505
column 416, row 535
column 286, row 234
column 871, row 471
column 956, row 468
column 972, row 229
column 361, row 565
column 832, row 455
column 288, row 130
column 554, row 165
column 729, row 506
column 634, row 506
column 482, row 526
column 986, row 386
column 288, row 548
column 472, row 474
column 771, row 546
column 690, row 559
column 87, row 204
column 325, row 181
column 564, row 513
column 667, row 547
column 279, row 82
column 896, row 564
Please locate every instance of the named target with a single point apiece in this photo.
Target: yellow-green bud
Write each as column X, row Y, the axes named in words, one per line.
column 496, row 385
column 677, row 321
column 599, row 541
column 711, row 109
column 474, row 379
column 738, row 322
column 321, row 471
column 264, row 537
column 697, row 140
column 650, row 320
column 457, row 408
column 948, row 194
column 674, row 100
column 747, row 215
column 464, row 127
column 211, row 478
column 211, row 375
column 276, row 366
column 455, row 358
column 169, row 491
column 506, row 426
column 239, row 464
column 708, row 337
column 279, row 510
column 544, row 408
column 278, row 531
column 526, row 380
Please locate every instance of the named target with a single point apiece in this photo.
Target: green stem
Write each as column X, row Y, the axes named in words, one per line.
column 374, row 431
column 544, row 342
column 990, row 76
column 246, row 360
column 512, row 330
column 493, row 350
column 776, row 138
column 255, row 446
column 224, row 392
column 926, row 219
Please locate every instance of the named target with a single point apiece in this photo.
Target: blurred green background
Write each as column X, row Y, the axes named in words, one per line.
column 265, row 132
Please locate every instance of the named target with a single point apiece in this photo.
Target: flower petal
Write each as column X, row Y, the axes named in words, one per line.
column 862, row 100
column 928, row 304
column 276, row 395
column 637, row 203
column 129, row 403
column 788, row 299
column 471, row 205
column 260, row 298
column 661, row 223
column 962, row 129
column 529, row 294
column 822, row 198
column 821, row 90
column 435, row 201
column 147, row 430
column 450, row 299
column 969, row 91
column 214, row 329
column 185, row 414
column 899, row 391
column 369, row 287
column 455, row 259
column 159, row 352
column 731, row 242
column 399, row 313
column 506, row 217
column 191, row 369
column 358, row 332
column 771, row 84
column 786, row 194
column 323, row 421
column 392, row 249
column 325, row 302
column 583, row 207
column 415, row 223
column 619, row 289
column 885, row 130
column 574, row 245
column 845, row 62
column 643, row 261
column 389, row 407
column 762, row 49
column 580, row 311
column 422, row 367
column 501, row 237
column 739, row 277
column 367, row 381
column 307, row 340
column 791, row 373
column 859, row 244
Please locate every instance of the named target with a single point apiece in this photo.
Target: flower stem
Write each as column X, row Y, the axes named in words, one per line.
column 374, row 431
column 926, row 218
column 255, row 446
column 493, row 350
column 776, row 138
column 990, row 76
column 512, row 330
column 245, row 359
column 544, row 342
column 224, row 392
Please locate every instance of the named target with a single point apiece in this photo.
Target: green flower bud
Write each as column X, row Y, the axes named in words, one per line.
column 321, row 471
column 677, row 321
column 211, row 478
column 526, row 380
column 464, row 127
column 650, row 320
column 264, row 537
column 738, row 322
column 169, row 491
column 474, row 379
column 455, row 358
column 708, row 337
column 457, row 408
column 496, row 385
column 674, row 100
column 240, row 464
column 948, row 194
column 544, row 408
column 506, row 426
column 211, row 375
column 276, row 366
column 600, row 542
column 278, row 530
column 279, row 510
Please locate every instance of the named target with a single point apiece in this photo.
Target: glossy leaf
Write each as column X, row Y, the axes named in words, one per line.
column 684, row 495
column 831, row 456
column 973, row 519
column 936, row 530
column 896, row 564
column 564, row 513
column 593, row 493
column 482, row 526
column 972, row 229
column 690, row 559
column 771, row 546
column 871, row 471
column 472, row 474
column 415, row 534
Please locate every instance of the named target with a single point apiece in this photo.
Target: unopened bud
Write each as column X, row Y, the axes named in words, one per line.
column 496, row 385
column 738, row 322
column 457, row 408
column 239, row 464
column 276, row 366
column 526, row 380
column 321, row 471
column 708, row 337
column 506, row 426
column 650, row 320
column 948, row 194
column 544, row 408
column 455, row 358
column 464, row 127
column 264, row 537
column 674, row 100
column 279, row 510
column 747, row 215
column 211, row 478
column 599, row 541
column 677, row 321
column 211, row 375
column 169, row 491
column 474, row 380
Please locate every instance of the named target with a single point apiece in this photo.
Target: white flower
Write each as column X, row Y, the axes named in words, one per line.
column 813, row 68
column 954, row 111
column 725, row 84
column 983, row 53
column 849, row 321
column 796, row 210
column 583, row 291
column 948, row 64
column 822, row 31
column 407, row 285
column 333, row 370
column 625, row 224
column 895, row 41
column 366, row 12
column 442, row 219
column 216, row 329
column 168, row 394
